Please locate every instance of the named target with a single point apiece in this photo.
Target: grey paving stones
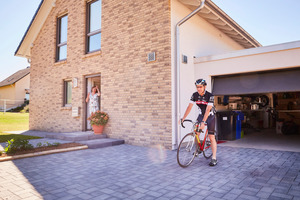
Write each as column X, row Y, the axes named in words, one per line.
column 130, row 172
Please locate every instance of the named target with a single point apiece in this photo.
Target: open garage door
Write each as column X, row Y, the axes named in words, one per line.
column 258, row 83
column 269, row 103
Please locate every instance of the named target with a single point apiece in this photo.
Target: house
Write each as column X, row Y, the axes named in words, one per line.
column 15, row 89
column 145, row 69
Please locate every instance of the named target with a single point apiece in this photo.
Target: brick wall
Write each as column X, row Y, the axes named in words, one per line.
column 136, row 94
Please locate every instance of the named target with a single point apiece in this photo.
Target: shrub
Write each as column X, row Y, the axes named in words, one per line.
column 55, row 144
column 17, row 145
column 39, row 144
column 45, row 144
column 25, row 109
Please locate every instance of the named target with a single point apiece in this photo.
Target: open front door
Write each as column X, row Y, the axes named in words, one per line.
column 91, row 81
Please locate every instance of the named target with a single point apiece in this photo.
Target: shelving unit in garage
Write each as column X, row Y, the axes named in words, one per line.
column 288, row 109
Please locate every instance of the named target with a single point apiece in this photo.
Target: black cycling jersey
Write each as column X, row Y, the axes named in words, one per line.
column 203, row 101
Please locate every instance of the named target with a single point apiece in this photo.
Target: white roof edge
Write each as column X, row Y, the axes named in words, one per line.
column 34, row 28
column 249, row 52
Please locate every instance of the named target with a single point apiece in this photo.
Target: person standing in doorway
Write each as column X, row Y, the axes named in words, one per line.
column 205, row 102
column 93, row 100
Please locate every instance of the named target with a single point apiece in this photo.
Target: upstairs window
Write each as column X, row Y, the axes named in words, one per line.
column 93, row 36
column 61, row 41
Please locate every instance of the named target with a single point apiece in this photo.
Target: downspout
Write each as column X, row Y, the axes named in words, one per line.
column 177, row 72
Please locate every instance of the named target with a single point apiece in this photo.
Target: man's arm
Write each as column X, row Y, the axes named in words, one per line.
column 187, row 111
column 207, row 111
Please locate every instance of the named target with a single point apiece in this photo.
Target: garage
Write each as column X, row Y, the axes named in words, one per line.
column 260, row 107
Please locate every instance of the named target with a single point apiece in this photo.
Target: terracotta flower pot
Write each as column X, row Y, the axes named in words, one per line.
column 98, row 129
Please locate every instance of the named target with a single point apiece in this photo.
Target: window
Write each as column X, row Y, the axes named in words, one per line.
column 67, row 93
column 61, row 41
column 93, row 37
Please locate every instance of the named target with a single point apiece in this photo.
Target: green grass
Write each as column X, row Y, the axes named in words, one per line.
column 4, row 137
column 14, row 122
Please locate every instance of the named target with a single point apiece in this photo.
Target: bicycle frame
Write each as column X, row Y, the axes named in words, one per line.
column 199, row 141
column 195, row 126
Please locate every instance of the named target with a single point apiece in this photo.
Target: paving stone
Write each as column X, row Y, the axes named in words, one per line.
column 263, row 195
column 73, row 191
column 249, row 193
column 137, row 196
column 127, row 172
column 189, row 192
column 84, row 196
column 280, row 195
column 154, row 194
column 267, row 189
column 248, row 197
column 236, row 191
column 230, row 196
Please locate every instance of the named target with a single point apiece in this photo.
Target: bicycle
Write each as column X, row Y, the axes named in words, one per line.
column 192, row 145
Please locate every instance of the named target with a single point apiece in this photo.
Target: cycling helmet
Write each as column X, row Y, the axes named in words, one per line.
column 200, row 82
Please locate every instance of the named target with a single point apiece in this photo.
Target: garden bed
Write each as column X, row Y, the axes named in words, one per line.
column 44, row 150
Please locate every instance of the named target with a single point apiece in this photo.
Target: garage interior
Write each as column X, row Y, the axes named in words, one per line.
column 259, row 110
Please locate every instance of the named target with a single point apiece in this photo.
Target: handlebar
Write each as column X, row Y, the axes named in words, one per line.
column 186, row 120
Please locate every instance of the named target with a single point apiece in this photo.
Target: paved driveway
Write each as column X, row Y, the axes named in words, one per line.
column 132, row 172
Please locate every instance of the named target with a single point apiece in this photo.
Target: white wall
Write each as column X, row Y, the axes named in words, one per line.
column 280, row 56
column 197, row 38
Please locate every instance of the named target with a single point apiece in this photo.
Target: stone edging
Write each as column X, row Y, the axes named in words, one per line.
column 7, row 158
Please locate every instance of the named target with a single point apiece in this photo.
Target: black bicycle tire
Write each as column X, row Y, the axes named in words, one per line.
column 193, row 157
column 205, row 153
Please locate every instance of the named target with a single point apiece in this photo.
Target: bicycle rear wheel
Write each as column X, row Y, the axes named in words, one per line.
column 207, row 151
column 186, row 151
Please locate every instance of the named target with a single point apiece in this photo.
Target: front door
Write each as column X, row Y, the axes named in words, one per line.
column 90, row 82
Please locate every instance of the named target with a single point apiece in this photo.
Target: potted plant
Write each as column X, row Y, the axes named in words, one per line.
column 98, row 121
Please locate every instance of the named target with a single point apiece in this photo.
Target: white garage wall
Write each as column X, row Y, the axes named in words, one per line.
column 197, row 38
column 274, row 57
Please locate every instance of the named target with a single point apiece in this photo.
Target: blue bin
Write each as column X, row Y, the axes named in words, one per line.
column 239, row 119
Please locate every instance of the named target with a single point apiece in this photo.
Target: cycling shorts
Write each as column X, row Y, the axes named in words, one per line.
column 211, row 120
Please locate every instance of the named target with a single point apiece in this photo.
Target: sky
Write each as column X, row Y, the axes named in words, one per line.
column 268, row 21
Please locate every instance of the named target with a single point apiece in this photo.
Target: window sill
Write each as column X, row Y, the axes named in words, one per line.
column 95, row 53
column 66, row 107
column 60, row 62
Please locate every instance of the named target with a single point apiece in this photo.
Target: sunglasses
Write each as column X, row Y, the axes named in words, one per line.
column 199, row 86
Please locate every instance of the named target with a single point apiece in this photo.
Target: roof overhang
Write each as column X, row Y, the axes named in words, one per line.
column 219, row 19
column 34, row 28
column 210, row 12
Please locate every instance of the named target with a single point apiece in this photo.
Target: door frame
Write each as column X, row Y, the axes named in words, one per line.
column 86, row 77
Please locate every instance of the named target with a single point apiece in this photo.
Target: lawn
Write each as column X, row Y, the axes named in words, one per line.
column 4, row 137
column 14, row 122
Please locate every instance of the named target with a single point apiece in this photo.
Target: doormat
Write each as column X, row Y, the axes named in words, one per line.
column 221, row 141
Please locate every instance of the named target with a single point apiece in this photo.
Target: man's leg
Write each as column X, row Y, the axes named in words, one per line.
column 212, row 137
column 213, row 146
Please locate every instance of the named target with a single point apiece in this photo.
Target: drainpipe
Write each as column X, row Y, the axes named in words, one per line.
column 177, row 72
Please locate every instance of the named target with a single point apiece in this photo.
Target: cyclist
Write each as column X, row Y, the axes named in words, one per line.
column 205, row 102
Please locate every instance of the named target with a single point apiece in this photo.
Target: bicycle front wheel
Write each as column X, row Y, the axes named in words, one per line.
column 186, row 151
